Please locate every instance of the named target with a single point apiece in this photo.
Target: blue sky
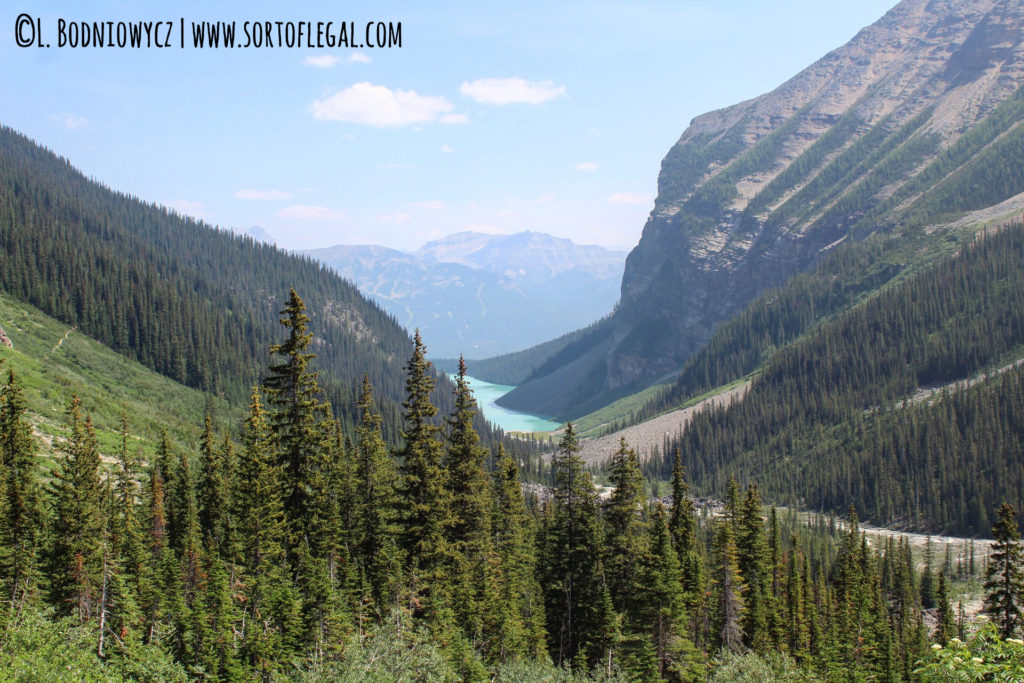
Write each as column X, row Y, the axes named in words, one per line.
column 536, row 116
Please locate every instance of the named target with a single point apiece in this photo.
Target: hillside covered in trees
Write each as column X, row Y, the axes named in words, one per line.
column 831, row 417
column 303, row 551
column 197, row 304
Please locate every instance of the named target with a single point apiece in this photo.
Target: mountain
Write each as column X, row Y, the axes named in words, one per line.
column 471, row 293
column 194, row 303
column 914, row 123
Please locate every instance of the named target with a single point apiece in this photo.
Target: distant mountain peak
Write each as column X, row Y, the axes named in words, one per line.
column 470, row 292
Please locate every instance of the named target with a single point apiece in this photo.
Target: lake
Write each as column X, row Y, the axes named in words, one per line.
column 510, row 420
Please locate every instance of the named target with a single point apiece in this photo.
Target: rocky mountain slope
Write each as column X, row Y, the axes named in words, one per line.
column 917, row 120
column 479, row 295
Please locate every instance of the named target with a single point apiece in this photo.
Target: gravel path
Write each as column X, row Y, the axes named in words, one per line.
column 647, row 436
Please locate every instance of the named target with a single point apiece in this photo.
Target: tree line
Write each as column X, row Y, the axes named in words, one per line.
column 296, row 549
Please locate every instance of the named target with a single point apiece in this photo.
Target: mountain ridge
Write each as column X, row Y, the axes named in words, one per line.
column 886, row 134
column 472, row 292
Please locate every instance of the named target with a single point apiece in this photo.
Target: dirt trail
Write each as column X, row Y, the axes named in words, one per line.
column 62, row 340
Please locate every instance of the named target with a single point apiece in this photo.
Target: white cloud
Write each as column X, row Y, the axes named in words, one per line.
column 447, row 149
column 359, row 58
column 397, row 218
column 432, row 205
column 630, row 198
column 69, row 121
column 321, row 61
column 454, row 118
column 262, row 194
column 187, row 208
column 586, row 166
column 306, row 212
column 511, row 91
column 376, row 105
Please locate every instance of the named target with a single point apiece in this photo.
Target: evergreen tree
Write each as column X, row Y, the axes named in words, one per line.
column 376, row 511
column 661, row 607
column 76, row 557
column 1004, row 588
column 753, row 566
column 271, row 605
column 518, row 630
column 576, row 598
column 625, row 537
column 469, row 537
column 945, row 623
column 128, row 570
column 729, row 589
column 216, row 469
column 424, row 495
column 152, row 597
column 19, row 499
column 293, row 395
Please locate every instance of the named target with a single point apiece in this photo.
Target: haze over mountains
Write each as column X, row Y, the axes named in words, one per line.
column 914, row 123
column 479, row 294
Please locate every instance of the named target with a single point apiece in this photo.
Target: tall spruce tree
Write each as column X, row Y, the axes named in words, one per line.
column 293, row 396
column 376, row 513
column 625, row 537
column 424, row 495
column 271, row 605
column 1004, row 588
column 576, row 597
column 76, row 556
column 945, row 623
column 728, row 590
column 660, row 612
column 215, row 474
column 753, row 562
column 520, row 628
column 469, row 536
column 19, row 499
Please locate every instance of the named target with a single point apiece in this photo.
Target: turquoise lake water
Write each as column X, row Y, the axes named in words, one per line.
column 509, row 420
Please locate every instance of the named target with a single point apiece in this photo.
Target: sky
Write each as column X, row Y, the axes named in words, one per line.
column 544, row 116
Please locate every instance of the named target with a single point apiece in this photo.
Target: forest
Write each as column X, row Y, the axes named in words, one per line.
column 841, row 397
column 289, row 548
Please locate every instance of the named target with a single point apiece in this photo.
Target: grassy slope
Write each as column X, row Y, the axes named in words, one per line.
column 107, row 383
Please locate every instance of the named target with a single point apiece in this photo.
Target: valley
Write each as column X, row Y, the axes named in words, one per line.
column 396, row 435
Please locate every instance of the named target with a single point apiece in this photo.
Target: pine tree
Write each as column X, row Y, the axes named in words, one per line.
column 293, row 396
column 76, row 557
column 928, row 578
column 729, row 589
column 19, row 499
column 152, row 597
column 376, row 511
column 518, row 628
column 945, row 624
column 271, row 605
column 1004, row 588
column 128, row 571
column 424, row 494
column 469, row 536
column 574, row 588
column 625, row 539
column 215, row 474
column 661, row 606
column 753, row 566
column 683, row 523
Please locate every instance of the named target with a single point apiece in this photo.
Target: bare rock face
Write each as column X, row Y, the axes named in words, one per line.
column 858, row 142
